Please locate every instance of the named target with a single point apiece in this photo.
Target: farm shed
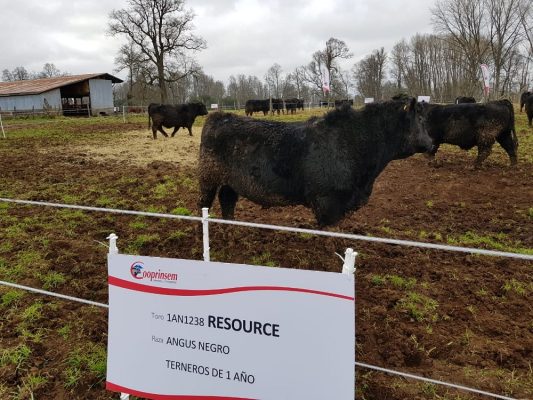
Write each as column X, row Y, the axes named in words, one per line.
column 71, row 95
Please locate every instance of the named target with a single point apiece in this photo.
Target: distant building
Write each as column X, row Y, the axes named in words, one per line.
column 89, row 94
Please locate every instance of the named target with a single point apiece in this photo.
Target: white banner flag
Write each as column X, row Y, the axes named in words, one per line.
column 486, row 78
column 325, row 80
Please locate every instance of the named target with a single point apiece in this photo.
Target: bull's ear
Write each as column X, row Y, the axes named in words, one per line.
column 410, row 106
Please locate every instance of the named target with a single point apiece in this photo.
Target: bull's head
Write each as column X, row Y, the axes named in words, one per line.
column 419, row 140
column 200, row 108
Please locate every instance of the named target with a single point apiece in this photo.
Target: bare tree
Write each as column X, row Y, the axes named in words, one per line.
column 326, row 62
column 463, row 23
column 275, row 80
column 369, row 74
column 7, row 76
column 505, row 35
column 298, row 78
column 128, row 58
column 160, row 30
column 50, row 71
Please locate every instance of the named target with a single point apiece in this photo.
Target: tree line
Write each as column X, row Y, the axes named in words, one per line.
column 159, row 59
column 21, row 73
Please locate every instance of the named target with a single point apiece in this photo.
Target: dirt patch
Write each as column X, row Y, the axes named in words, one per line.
column 139, row 148
column 457, row 317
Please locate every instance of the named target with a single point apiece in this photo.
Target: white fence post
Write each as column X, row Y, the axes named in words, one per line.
column 349, row 261
column 205, row 229
column 124, row 114
column 113, row 249
column 2, row 125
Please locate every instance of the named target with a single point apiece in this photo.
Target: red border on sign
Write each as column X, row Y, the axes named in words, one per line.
column 154, row 396
column 112, row 280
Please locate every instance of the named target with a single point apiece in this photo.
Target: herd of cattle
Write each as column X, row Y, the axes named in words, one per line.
column 273, row 105
column 330, row 163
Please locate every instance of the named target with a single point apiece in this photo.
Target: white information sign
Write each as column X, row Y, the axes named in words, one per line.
column 369, row 100
column 424, row 98
column 182, row 329
column 214, row 106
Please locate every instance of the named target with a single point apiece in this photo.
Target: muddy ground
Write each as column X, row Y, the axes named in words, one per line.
column 454, row 317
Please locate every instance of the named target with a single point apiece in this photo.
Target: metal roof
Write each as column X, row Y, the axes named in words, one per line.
column 38, row 86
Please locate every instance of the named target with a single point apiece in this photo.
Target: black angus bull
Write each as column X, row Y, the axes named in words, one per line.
column 468, row 125
column 523, row 98
column 277, row 106
column 328, row 164
column 252, row 106
column 293, row 104
column 529, row 109
column 464, row 100
column 339, row 103
column 174, row 116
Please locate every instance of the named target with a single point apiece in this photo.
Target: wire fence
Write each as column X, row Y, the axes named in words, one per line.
column 206, row 220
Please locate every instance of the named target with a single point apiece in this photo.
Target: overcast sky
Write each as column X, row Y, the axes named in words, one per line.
column 243, row 36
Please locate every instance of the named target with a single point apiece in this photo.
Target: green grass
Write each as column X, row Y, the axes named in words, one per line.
column 263, row 259
column 499, row 242
column 90, row 358
column 135, row 246
column 176, row 235
column 16, row 356
column 520, row 288
column 419, row 307
column 393, row 280
column 32, row 313
column 52, row 280
column 181, row 211
column 165, row 189
column 11, row 297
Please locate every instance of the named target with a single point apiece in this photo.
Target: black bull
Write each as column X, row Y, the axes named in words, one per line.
column 468, row 125
column 328, row 164
column 174, row 115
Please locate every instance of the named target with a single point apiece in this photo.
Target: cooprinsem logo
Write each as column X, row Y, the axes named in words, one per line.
column 139, row 271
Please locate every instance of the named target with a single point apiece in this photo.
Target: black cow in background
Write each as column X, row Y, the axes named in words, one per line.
column 339, row 103
column 464, row 99
column 291, row 105
column 529, row 109
column 400, row 97
column 277, row 106
column 523, row 98
column 252, row 106
column 328, row 164
column 174, row 116
column 468, row 125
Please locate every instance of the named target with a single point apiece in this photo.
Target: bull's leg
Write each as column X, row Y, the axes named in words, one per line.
column 506, row 141
column 228, row 199
column 190, row 130
column 483, row 151
column 174, row 131
column 207, row 195
column 328, row 209
column 160, row 129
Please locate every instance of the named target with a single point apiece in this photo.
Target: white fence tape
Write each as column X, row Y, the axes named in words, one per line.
column 351, row 236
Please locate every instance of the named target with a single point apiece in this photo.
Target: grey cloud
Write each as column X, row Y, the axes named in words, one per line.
column 243, row 36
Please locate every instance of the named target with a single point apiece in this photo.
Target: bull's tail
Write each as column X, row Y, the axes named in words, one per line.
column 148, row 120
column 513, row 129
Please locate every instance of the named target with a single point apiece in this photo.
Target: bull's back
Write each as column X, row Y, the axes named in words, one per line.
column 465, row 124
column 259, row 159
